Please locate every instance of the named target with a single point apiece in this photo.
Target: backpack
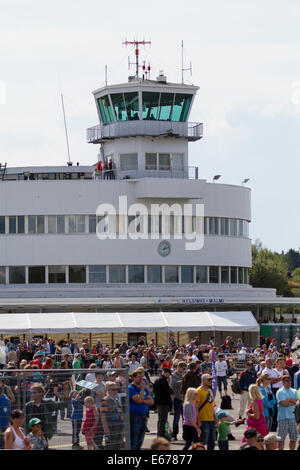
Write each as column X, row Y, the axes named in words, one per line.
column 234, row 386
column 226, row 403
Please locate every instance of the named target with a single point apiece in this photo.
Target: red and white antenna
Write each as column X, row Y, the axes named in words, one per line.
column 136, row 44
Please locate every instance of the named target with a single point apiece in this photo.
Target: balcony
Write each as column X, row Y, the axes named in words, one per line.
column 101, row 133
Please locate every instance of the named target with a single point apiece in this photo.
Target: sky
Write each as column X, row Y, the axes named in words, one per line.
column 245, row 58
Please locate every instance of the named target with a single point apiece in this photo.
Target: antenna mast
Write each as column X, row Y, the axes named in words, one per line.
column 66, row 130
column 136, row 44
column 182, row 65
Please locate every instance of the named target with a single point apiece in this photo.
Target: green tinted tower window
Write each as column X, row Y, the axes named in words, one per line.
column 118, row 103
column 150, row 105
column 165, row 108
column 105, row 110
column 132, row 105
column 181, row 107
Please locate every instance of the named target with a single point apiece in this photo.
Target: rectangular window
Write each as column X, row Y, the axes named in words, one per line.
column 128, row 161
column 241, row 228
column 12, row 224
column 233, row 227
column 201, row 274
column 36, row 224
column 181, row 107
column 97, row 274
column 36, row 274
column 77, row 274
column 187, row 274
column 56, row 274
column 164, row 161
column 92, row 224
column 60, row 224
column 177, row 161
column 151, row 161
column 76, row 223
column 2, row 275
column 165, row 108
column 241, row 275
column 132, row 105
column 171, row 273
column 150, row 105
column 51, row 223
column 246, row 275
column 154, row 274
column 16, row 224
column 105, row 110
column 234, row 277
column 17, row 274
column 117, row 274
column 224, row 274
column 2, row 224
column 213, row 274
column 136, row 274
column 118, row 103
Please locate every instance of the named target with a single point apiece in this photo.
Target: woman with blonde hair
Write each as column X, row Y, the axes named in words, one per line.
column 191, row 430
column 255, row 413
column 269, row 399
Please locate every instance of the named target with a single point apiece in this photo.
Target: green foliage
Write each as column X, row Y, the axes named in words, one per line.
column 292, row 258
column 296, row 275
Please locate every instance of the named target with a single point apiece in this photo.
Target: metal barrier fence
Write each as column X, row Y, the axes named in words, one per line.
column 78, row 408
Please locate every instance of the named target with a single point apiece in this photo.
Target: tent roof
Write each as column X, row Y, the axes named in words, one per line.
column 18, row 323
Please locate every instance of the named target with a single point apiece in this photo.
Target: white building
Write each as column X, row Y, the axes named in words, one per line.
column 52, row 259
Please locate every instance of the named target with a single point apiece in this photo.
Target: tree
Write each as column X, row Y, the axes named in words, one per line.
column 293, row 259
column 269, row 270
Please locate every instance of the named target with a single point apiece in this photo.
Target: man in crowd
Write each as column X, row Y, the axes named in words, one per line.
column 221, row 372
column 139, row 402
column 176, row 383
column 271, row 441
column 247, row 377
column 287, row 398
column 206, row 414
column 112, row 418
column 190, row 379
column 163, row 393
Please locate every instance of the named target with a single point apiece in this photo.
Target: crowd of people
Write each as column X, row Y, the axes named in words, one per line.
column 190, row 383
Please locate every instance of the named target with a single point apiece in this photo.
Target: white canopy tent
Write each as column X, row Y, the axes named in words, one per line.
column 35, row 323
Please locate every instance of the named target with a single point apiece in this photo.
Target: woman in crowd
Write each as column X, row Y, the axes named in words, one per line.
column 14, row 436
column 269, row 399
column 191, row 430
column 255, row 413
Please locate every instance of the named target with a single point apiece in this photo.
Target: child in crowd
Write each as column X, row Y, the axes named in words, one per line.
column 90, row 425
column 36, row 436
column 77, row 416
column 223, row 428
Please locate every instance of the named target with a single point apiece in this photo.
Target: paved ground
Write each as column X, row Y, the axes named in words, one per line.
column 63, row 440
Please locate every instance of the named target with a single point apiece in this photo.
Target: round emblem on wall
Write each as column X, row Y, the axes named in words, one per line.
column 164, row 248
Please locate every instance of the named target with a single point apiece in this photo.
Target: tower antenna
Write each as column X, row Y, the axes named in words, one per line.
column 136, row 44
column 69, row 163
column 182, row 65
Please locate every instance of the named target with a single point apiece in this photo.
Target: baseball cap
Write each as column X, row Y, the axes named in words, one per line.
column 111, row 373
column 34, row 421
column 206, row 376
column 271, row 438
column 222, row 414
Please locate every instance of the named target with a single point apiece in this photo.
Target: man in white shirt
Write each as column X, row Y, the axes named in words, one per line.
column 221, row 372
column 275, row 375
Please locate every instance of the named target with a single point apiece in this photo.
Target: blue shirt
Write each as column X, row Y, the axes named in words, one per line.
column 77, row 409
column 286, row 412
column 5, row 409
column 138, row 409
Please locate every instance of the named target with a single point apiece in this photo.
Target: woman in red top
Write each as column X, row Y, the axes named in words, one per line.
column 167, row 363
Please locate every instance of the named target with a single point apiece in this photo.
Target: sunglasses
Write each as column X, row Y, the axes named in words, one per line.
column 260, row 440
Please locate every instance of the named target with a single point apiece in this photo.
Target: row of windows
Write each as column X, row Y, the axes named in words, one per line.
column 153, row 161
column 37, row 224
column 102, row 274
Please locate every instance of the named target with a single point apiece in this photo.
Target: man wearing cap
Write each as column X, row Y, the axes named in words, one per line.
column 36, row 436
column 163, row 400
column 287, row 398
column 271, row 441
column 206, row 413
column 112, row 417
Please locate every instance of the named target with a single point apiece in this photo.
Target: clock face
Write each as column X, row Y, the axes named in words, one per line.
column 164, row 248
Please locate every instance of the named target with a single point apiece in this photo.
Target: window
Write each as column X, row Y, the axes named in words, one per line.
column 56, row 274
column 224, row 226
column 2, row 224
column 16, row 224
column 224, row 274
column 201, row 274
column 151, row 161
column 105, row 110
column 213, row 225
column 241, row 228
column 97, row 274
column 171, row 273
column 136, row 274
column 154, row 274
column 76, row 223
column 150, row 105
column 187, row 274
column 128, row 161
column 246, row 275
column 213, row 274
column 132, row 105
column 2, row 275
column 233, row 277
column 165, row 107
column 56, row 224
column 233, row 227
column 36, row 224
column 177, row 161
column 181, row 107
column 92, row 224
column 117, row 274
column 241, row 275
column 77, row 274
column 36, row 274
column 164, row 161
column 118, row 103
column 17, row 274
